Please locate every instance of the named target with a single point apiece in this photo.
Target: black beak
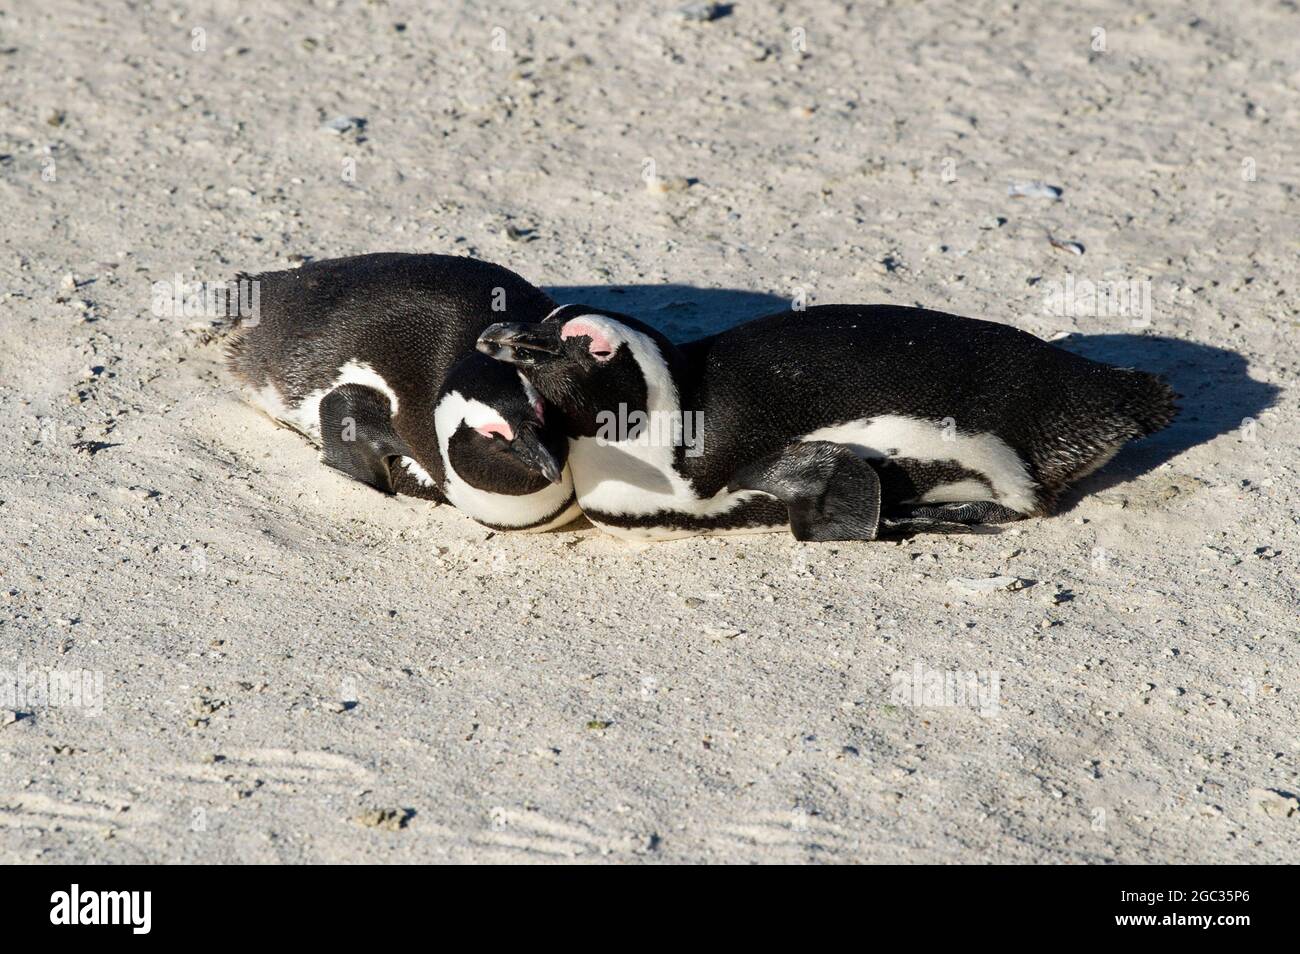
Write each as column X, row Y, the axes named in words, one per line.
column 521, row 344
column 530, row 449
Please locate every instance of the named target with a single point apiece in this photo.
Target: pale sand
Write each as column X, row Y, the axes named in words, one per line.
column 232, row 591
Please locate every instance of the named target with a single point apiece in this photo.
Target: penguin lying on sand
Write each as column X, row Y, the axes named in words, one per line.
column 372, row 357
column 840, row 421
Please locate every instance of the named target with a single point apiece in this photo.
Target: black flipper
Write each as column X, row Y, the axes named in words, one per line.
column 357, row 436
column 829, row 492
column 892, row 527
column 971, row 512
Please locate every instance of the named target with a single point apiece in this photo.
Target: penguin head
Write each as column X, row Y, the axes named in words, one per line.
column 504, row 464
column 586, row 362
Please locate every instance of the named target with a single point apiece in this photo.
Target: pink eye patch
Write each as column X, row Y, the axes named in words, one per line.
column 601, row 348
column 494, row 428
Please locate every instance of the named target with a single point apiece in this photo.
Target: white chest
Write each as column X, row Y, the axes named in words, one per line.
column 630, row 480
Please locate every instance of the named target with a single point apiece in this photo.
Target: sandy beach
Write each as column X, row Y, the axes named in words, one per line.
column 275, row 664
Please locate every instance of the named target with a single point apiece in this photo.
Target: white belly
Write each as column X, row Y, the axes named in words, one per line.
column 635, row 481
column 631, row 480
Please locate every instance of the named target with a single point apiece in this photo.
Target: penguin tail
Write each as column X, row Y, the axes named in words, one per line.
column 1130, row 404
column 231, row 326
column 1148, row 402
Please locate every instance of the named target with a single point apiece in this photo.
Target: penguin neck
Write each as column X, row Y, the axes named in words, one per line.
column 646, row 432
column 662, row 365
column 634, row 483
column 627, row 459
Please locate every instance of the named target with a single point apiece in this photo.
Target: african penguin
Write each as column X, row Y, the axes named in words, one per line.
column 372, row 357
column 840, row 422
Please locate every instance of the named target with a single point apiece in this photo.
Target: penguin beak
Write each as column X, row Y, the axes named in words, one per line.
column 521, row 344
column 530, row 449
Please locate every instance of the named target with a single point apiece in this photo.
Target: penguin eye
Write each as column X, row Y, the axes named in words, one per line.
column 496, row 429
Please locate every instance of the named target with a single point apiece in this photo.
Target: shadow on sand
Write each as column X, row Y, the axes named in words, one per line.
column 1218, row 393
column 682, row 312
column 1217, row 396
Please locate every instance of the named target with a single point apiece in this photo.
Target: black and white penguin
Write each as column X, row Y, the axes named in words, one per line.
column 372, row 358
column 840, row 422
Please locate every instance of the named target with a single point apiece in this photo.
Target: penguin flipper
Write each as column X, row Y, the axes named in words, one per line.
column 829, row 492
column 909, row 526
column 969, row 512
column 973, row 516
column 357, row 436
